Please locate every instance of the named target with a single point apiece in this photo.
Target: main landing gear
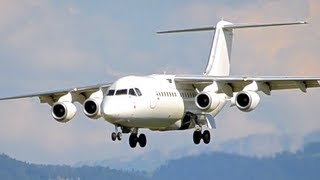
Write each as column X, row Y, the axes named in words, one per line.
column 198, row 135
column 134, row 138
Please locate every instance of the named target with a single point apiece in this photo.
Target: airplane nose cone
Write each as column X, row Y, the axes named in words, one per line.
column 116, row 108
column 109, row 110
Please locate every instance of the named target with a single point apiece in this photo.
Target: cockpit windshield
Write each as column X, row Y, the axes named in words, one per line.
column 132, row 92
column 138, row 91
column 122, row 92
column 111, row 92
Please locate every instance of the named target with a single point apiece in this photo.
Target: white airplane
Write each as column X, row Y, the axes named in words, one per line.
column 173, row 102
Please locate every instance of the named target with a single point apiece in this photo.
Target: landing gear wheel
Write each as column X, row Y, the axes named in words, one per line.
column 119, row 136
column 196, row 137
column 142, row 140
column 206, row 137
column 113, row 136
column 133, row 139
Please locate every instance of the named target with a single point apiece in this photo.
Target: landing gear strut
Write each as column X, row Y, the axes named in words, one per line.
column 198, row 135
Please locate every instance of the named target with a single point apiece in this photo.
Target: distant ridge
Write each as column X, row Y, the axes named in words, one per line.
column 299, row 166
column 302, row 165
column 14, row 169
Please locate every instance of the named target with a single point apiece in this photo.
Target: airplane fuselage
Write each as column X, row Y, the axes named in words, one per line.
column 153, row 102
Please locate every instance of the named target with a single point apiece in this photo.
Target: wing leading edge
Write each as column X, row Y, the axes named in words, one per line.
column 78, row 93
column 226, row 84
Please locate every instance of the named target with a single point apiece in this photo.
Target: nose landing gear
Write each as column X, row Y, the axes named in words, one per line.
column 116, row 135
column 134, row 139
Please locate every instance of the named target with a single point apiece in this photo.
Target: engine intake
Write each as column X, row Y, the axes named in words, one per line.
column 247, row 100
column 207, row 101
column 91, row 108
column 63, row 111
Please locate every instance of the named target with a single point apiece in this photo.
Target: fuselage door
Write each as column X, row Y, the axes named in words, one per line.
column 133, row 97
column 153, row 101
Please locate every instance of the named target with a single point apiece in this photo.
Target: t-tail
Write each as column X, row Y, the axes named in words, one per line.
column 220, row 54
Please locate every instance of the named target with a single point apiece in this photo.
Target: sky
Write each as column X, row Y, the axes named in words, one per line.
column 48, row 45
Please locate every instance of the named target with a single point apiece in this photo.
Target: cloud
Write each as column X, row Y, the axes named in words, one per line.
column 236, row 125
column 45, row 45
column 27, row 124
column 43, row 48
column 266, row 51
column 43, row 41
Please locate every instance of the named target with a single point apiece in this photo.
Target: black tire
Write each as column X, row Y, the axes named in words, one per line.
column 113, row 136
column 142, row 140
column 133, row 139
column 119, row 136
column 196, row 137
column 206, row 136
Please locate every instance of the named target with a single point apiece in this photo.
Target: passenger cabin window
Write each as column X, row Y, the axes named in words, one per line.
column 110, row 92
column 138, row 91
column 132, row 93
column 122, row 92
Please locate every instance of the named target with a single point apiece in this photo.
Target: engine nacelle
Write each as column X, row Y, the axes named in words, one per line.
column 207, row 101
column 91, row 108
column 63, row 111
column 247, row 100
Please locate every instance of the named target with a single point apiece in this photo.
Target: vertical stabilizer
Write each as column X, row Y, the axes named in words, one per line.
column 219, row 58
column 220, row 54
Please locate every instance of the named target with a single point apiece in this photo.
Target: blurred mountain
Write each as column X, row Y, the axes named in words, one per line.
column 302, row 164
column 294, row 166
column 13, row 169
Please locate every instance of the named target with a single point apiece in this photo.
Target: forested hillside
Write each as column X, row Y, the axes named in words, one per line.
column 13, row 169
column 298, row 166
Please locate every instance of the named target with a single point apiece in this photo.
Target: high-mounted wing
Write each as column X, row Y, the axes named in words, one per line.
column 230, row 84
column 79, row 94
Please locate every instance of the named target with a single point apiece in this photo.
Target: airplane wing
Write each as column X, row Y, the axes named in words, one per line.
column 77, row 93
column 231, row 84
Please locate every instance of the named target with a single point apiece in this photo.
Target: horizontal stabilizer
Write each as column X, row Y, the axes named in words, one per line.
column 233, row 26
column 239, row 26
column 188, row 30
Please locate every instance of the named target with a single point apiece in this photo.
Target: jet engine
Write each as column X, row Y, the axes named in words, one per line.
column 208, row 101
column 91, row 108
column 63, row 111
column 247, row 100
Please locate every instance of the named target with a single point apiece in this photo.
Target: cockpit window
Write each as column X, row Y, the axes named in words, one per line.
column 138, row 91
column 131, row 92
column 110, row 92
column 122, row 92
